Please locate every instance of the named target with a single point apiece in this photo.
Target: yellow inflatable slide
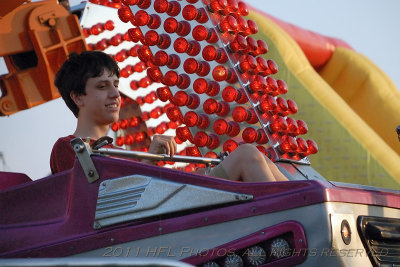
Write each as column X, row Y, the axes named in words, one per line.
column 352, row 109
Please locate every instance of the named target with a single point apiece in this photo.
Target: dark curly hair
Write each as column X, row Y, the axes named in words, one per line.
column 75, row 72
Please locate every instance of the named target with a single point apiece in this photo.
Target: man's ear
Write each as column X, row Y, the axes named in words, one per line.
column 76, row 98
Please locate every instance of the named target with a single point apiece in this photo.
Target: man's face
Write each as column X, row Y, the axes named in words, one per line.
column 101, row 103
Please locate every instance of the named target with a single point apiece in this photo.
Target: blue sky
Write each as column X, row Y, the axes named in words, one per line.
column 370, row 27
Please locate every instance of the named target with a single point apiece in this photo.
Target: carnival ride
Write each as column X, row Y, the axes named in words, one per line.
column 195, row 70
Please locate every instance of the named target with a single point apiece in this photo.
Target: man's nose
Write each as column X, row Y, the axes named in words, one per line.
column 114, row 92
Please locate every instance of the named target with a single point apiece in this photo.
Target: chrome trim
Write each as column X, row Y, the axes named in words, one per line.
column 137, row 196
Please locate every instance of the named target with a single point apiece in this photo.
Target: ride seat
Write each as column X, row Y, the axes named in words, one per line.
column 9, row 179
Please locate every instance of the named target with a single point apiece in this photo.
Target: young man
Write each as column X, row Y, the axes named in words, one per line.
column 88, row 83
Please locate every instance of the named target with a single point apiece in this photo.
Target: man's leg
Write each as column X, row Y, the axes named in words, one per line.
column 248, row 163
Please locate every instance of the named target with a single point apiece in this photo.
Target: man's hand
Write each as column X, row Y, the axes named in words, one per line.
column 163, row 144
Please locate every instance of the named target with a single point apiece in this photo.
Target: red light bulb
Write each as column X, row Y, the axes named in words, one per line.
column 212, row 36
column 243, row 27
column 240, row 114
column 125, row 14
column 230, row 145
column 200, row 86
column 183, row 133
column 174, row 114
column 302, row 127
column 141, row 18
column 228, row 24
column 243, row 9
column 302, row 146
column 282, row 106
column 272, row 67
column 232, row 7
column 191, row 118
column 272, row 86
column 155, row 21
column 161, row 6
column 133, row 50
column 101, row 45
column 190, row 12
column 247, row 63
column 115, row 126
column 220, row 73
column 256, row 84
column 156, row 112
column 229, row 94
column 211, row 154
column 174, row 8
column 165, row 41
column 217, row 5
column 201, row 139
column 292, row 126
column 282, row 87
column 312, row 147
column 144, row 4
column 242, row 97
column 194, row 101
column 213, row 88
column 223, row 109
column 292, row 106
column 288, row 145
column 277, row 124
column 249, row 135
column 154, row 74
column 109, row 25
column 144, row 53
column 183, row 81
column 170, row 78
column 160, row 58
column 210, row 106
column 190, row 65
column 181, row 98
column 202, row 16
column 194, row 48
column 220, row 126
column 96, row 29
column 200, row 33
column 183, row 28
column 253, row 29
column 162, row 128
column 267, row 104
column 181, row 45
column 150, row 98
column 151, row 38
column 171, row 25
column 144, row 82
column 239, row 43
column 173, row 62
column 203, row 68
column 120, row 141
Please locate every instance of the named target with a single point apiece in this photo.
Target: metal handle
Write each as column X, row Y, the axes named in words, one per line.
column 155, row 157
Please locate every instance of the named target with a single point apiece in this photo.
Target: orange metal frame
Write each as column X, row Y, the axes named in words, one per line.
column 47, row 33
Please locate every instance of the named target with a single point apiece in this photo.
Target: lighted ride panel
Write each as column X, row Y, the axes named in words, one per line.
column 198, row 74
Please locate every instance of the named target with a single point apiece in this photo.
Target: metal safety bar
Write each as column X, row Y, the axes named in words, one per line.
column 155, row 157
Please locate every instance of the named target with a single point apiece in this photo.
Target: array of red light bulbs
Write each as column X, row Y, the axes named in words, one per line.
column 211, row 113
column 189, row 68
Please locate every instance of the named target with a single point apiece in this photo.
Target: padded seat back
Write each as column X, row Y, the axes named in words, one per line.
column 9, row 179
